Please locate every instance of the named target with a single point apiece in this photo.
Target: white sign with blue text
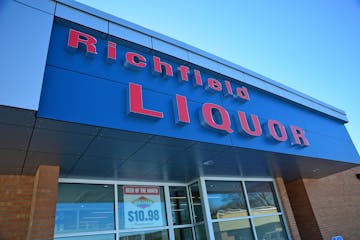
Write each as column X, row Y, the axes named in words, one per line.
column 142, row 207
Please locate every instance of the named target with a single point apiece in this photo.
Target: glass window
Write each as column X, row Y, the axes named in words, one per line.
column 92, row 237
column 196, row 202
column 226, row 199
column 141, row 207
column 270, row 228
column 200, row 232
column 183, row 233
column 146, row 235
column 84, row 208
column 234, row 230
column 261, row 198
column 179, row 205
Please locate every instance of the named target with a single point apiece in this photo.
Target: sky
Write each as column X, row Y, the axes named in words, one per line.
column 311, row 46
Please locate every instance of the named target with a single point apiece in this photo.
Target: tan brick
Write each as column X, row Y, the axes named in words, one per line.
column 327, row 206
column 28, row 201
column 42, row 216
column 15, row 205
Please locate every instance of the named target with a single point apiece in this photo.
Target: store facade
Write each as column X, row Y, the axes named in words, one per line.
column 119, row 132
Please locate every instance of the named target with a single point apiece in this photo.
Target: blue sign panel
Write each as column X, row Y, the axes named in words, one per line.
column 95, row 79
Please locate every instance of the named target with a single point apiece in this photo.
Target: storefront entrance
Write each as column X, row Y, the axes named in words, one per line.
column 208, row 208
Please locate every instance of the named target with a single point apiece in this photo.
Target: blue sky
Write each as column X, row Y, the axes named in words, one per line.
column 311, row 46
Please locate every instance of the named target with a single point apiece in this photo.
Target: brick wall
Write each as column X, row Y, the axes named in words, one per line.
column 15, row 204
column 329, row 206
column 303, row 211
column 336, row 204
column 27, row 205
column 43, row 208
column 289, row 215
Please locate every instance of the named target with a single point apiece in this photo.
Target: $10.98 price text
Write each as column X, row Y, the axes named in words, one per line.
column 143, row 215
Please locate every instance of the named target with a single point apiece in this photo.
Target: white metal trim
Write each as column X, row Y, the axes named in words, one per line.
column 267, row 215
column 207, row 178
column 168, row 211
column 119, row 182
column 183, row 226
column 190, row 207
column 79, row 234
column 85, row 181
column 134, row 230
column 206, row 210
column 192, row 182
column 116, row 209
column 229, row 219
column 249, row 210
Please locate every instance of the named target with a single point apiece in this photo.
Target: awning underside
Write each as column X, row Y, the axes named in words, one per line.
column 84, row 151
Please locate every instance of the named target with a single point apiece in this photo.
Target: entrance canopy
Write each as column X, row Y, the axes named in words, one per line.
column 84, row 151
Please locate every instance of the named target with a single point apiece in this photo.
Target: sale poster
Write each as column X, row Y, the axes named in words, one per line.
column 142, row 207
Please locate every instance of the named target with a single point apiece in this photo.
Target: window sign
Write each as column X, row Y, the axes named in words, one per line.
column 337, row 238
column 84, row 208
column 142, row 207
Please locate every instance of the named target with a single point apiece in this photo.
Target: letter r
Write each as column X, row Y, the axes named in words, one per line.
column 298, row 137
column 76, row 37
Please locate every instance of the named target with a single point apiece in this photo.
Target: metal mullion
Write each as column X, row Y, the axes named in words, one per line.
column 134, row 230
column 168, row 212
column 192, row 182
column 206, row 210
column 79, row 234
column 116, row 212
column 182, row 226
column 86, row 181
column 125, row 182
column 267, row 215
column 190, row 210
column 232, row 179
column 249, row 210
column 199, row 223
column 189, row 205
column 196, row 225
column 229, row 219
column 192, row 206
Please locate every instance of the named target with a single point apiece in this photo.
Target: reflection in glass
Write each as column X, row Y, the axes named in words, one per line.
column 261, row 197
column 92, row 237
column 183, row 234
column 84, row 208
column 148, row 235
column 179, row 205
column 142, row 210
column 234, row 230
column 196, row 202
column 269, row 228
column 226, row 199
column 200, row 232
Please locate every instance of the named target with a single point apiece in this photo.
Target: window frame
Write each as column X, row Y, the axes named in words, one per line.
column 115, row 184
column 208, row 221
